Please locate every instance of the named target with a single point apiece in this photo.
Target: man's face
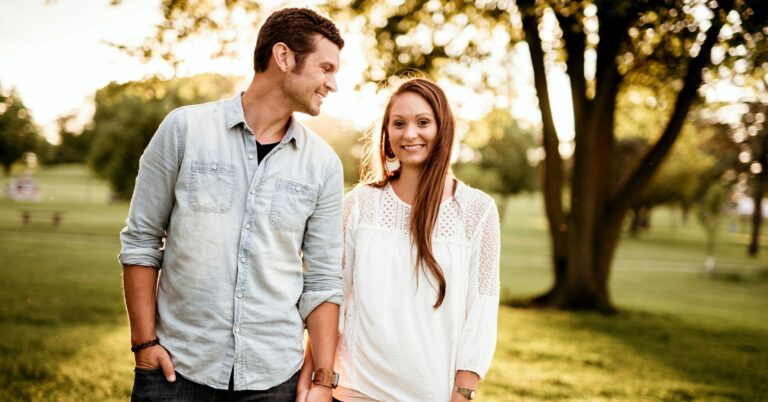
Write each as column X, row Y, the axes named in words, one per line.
column 308, row 85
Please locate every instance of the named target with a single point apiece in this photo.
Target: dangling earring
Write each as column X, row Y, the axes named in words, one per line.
column 391, row 163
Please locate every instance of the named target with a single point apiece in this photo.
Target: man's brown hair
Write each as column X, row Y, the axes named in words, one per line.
column 297, row 28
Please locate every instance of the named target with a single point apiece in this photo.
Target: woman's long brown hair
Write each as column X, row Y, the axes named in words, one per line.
column 428, row 196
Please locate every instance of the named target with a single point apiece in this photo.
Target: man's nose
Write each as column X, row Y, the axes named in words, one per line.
column 331, row 83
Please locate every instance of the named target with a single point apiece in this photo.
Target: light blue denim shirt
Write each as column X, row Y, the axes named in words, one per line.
column 244, row 259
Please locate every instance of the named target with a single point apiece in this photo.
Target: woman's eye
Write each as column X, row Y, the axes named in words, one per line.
column 398, row 124
column 423, row 123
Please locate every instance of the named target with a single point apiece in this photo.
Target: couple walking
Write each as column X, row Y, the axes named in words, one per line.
column 239, row 237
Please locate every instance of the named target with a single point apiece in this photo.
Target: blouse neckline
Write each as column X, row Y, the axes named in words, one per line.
column 453, row 196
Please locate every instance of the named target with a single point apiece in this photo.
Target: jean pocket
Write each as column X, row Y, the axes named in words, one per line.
column 142, row 370
column 292, row 204
column 211, row 187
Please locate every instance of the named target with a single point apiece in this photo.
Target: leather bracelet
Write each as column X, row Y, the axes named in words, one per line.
column 144, row 345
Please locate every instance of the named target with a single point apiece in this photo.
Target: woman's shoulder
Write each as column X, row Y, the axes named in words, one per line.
column 473, row 199
column 363, row 189
column 362, row 193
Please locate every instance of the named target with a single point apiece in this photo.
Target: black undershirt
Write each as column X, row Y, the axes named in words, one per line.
column 263, row 149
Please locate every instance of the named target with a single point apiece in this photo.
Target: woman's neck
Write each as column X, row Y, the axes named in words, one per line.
column 407, row 185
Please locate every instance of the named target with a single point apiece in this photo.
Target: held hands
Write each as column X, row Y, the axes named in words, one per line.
column 306, row 391
column 156, row 357
column 318, row 393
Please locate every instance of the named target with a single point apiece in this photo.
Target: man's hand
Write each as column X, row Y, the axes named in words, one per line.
column 156, row 357
column 318, row 393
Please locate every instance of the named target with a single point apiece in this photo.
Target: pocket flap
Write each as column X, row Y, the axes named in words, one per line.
column 213, row 168
column 307, row 191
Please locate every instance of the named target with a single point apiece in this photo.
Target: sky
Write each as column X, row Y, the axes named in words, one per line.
column 54, row 53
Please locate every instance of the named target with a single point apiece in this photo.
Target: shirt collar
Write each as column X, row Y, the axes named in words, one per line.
column 235, row 115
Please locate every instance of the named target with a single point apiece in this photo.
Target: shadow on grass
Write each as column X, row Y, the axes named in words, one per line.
column 715, row 361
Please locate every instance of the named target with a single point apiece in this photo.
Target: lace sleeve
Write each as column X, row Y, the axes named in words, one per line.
column 477, row 341
column 349, row 206
column 488, row 267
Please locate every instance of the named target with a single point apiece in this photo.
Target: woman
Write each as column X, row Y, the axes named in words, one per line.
column 421, row 261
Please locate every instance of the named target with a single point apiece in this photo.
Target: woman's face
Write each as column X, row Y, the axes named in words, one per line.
column 412, row 129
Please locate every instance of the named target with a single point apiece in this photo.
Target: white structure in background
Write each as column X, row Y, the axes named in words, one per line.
column 23, row 188
column 745, row 206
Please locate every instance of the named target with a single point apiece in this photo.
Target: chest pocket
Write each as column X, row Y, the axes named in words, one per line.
column 211, row 187
column 292, row 204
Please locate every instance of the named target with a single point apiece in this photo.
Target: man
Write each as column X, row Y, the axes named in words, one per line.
column 237, row 209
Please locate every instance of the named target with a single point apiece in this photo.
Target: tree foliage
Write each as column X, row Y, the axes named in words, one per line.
column 18, row 132
column 500, row 164
column 127, row 116
column 603, row 45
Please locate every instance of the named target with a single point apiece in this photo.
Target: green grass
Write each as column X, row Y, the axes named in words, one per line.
column 682, row 335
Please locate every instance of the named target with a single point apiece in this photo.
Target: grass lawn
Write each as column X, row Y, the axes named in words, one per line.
column 681, row 336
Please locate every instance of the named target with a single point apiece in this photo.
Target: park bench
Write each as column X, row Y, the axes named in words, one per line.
column 27, row 215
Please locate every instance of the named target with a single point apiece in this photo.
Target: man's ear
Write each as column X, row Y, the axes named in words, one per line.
column 283, row 57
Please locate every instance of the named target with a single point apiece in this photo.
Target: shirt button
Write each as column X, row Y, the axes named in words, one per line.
column 253, row 191
column 250, row 156
column 239, row 295
column 296, row 189
column 237, row 330
column 247, row 225
column 214, row 166
column 242, row 259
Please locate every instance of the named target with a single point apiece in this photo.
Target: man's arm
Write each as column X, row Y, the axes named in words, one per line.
column 140, row 287
column 322, row 295
column 322, row 326
column 142, row 240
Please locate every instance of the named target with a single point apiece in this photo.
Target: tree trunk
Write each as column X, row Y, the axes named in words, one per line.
column 585, row 239
column 640, row 220
column 761, row 182
column 585, row 287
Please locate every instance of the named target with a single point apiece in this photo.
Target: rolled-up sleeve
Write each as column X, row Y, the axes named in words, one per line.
column 153, row 197
column 323, row 245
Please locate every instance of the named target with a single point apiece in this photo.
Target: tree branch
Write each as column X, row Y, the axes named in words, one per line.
column 644, row 171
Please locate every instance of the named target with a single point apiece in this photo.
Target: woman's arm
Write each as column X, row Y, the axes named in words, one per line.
column 477, row 341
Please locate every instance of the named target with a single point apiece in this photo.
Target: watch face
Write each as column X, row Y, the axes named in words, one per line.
column 471, row 394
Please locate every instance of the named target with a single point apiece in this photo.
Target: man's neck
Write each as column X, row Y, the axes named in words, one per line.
column 267, row 111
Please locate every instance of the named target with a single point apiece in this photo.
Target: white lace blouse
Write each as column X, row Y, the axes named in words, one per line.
column 394, row 346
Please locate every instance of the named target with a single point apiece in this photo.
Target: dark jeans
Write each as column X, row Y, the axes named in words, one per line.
column 151, row 385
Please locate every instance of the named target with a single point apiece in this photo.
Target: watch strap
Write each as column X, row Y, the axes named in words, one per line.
column 467, row 393
column 325, row 378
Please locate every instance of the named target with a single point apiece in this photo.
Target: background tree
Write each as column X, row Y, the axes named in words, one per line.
column 499, row 160
column 127, row 116
column 604, row 46
column 742, row 151
column 757, row 141
column 73, row 146
column 18, row 132
column 681, row 180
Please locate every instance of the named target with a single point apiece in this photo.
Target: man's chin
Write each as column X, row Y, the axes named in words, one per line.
column 312, row 111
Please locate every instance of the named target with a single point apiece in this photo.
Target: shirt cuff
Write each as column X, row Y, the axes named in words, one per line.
column 310, row 300
column 144, row 257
